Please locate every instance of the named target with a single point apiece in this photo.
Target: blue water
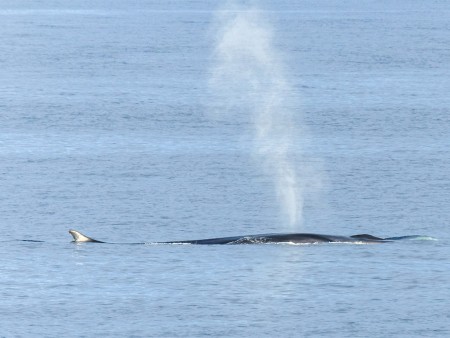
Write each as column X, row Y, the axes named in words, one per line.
column 109, row 125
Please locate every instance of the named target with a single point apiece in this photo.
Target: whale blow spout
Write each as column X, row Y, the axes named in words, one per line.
column 78, row 237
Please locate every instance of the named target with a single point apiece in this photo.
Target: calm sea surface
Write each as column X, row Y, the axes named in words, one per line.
column 131, row 121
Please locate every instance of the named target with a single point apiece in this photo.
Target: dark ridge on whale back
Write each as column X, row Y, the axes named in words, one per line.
column 299, row 238
column 367, row 237
column 261, row 238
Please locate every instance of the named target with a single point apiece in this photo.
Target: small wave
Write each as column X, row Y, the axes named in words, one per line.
column 423, row 238
column 413, row 238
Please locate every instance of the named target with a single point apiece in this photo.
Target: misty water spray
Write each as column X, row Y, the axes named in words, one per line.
column 249, row 77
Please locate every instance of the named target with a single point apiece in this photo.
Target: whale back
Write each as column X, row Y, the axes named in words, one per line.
column 367, row 237
column 296, row 238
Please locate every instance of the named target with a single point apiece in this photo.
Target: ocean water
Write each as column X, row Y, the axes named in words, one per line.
column 171, row 120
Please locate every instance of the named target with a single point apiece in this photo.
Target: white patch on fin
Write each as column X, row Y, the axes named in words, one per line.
column 79, row 237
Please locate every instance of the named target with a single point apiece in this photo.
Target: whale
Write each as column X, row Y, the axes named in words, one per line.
column 275, row 238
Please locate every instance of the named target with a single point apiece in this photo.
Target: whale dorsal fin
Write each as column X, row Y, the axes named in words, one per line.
column 79, row 237
column 367, row 237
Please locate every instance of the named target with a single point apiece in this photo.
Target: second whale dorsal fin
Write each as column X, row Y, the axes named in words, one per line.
column 367, row 237
column 78, row 237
